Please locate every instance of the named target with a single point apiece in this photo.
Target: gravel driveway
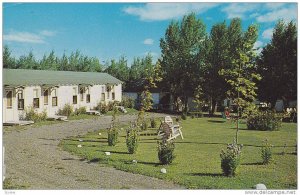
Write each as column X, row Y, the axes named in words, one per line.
column 34, row 159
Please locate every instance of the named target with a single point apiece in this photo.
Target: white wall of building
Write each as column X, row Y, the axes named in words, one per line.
column 64, row 96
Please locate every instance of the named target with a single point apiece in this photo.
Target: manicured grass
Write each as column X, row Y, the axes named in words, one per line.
column 197, row 162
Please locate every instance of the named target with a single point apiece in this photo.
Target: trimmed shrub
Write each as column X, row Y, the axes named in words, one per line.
column 166, row 152
column 264, row 120
column 132, row 140
column 266, row 152
column 230, row 159
column 32, row 115
column 153, row 123
column 112, row 136
column 67, row 110
column 81, row 110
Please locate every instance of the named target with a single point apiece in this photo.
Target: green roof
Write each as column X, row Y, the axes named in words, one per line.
column 17, row 77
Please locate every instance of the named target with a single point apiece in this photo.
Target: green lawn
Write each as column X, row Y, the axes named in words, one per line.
column 197, row 162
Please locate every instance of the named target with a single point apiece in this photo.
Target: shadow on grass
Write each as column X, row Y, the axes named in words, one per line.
column 149, row 163
column 81, row 159
column 116, row 152
column 200, row 143
column 154, row 139
column 254, row 163
column 206, row 174
column 215, row 121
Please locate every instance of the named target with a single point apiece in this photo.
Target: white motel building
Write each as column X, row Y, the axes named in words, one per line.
column 51, row 90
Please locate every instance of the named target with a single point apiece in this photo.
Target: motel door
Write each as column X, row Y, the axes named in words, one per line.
column 8, row 106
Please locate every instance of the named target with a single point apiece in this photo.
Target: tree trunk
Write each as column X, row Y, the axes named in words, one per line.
column 185, row 103
column 213, row 106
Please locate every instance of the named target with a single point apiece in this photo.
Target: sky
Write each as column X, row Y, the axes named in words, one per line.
column 111, row 30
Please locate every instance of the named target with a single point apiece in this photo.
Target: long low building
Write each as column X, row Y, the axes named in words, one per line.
column 51, row 90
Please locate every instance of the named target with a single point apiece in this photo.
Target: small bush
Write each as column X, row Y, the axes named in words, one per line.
column 266, row 152
column 183, row 116
column 112, row 136
column 132, row 140
column 153, row 123
column 32, row 115
column 230, row 159
column 102, row 107
column 166, row 152
column 127, row 102
column 111, row 105
column 192, row 116
column 81, row 110
column 67, row 110
column 264, row 120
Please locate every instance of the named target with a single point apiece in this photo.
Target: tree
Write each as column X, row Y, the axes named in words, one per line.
column 241, row 76
column 28, row 62
column 278, row 65
column 8, row 60
column 151, row 81
column 217, row 58
column 181, row 57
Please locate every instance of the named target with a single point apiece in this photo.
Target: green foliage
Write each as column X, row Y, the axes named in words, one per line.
column 266, row 152
column 112, row 136
column 132, row 138
column 278, row 65
column 111, row 105
column 230, row 159
column 31, row 114
column 264, row 120
column 153, row 123
column 166, row 152
column 102, row 107
column 182, row 56
column 127, row 102
column 67, row 110
column 8, row 60
column 81, row 110
column 241, row 74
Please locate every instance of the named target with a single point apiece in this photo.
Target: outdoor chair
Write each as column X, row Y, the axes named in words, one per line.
column 168, row 132
column 167, row 120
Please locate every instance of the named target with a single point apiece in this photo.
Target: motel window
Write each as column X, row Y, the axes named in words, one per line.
column 54, row 101
column 88, row 98
column 102, row 96
column 113, row 95
column 81, row 93
column 35, row 93
column 74, row 99
column 54, row 97
column 20, row 101
column 74, row 95
column 46, row 94
column 36, row 102
column 103, row 89
column 9, row 99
